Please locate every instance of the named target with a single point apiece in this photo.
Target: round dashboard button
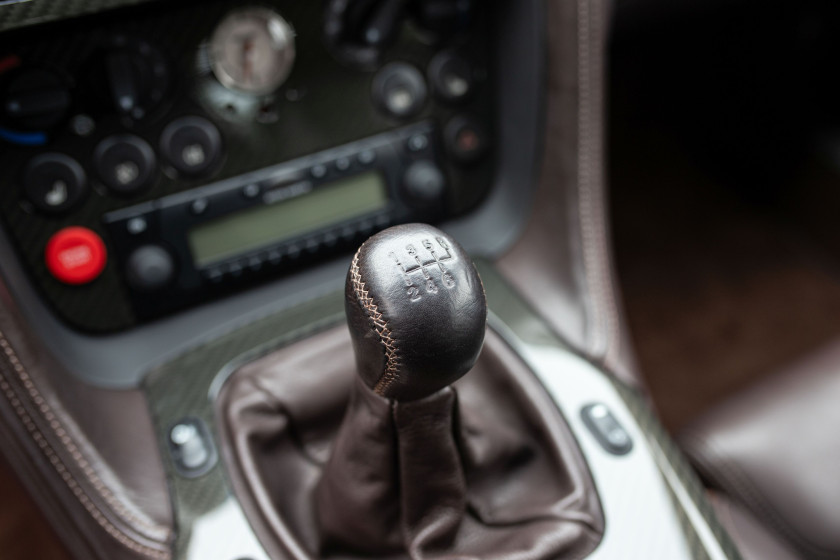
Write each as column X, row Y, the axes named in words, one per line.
column 192, row 145
column 150, row 267
column 451, row 77
column 423, row 183
column 465, row 139
column 75, row 255
column 54, row 182
column 399, row 90
column 125, row 163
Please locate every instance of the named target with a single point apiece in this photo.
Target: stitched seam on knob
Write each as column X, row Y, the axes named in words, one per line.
column 380, row 325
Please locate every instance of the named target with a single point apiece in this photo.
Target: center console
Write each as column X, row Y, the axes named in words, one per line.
column 184, row 184
column 651, row 502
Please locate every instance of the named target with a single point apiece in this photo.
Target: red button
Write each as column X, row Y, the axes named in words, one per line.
column 75, row 255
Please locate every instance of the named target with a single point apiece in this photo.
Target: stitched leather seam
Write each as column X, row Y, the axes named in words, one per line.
column 729, row 477
column 606, row 336
column 70, row 445
column 380, row 325
column 57, row 462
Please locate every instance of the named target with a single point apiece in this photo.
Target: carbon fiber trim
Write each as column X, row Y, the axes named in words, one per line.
column 22, row 13
column 659, row 438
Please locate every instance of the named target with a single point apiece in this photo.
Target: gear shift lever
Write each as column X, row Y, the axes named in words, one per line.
column 419, row 471
column 416, row 310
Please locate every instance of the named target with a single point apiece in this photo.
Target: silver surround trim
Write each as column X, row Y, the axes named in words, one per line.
column 641, row 522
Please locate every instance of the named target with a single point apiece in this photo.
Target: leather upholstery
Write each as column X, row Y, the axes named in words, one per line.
column 563, row 264
column 394, row 481
column 416, row 310
column 88, row 456
column 518, row 486
column 754, row 540
column 775, row 450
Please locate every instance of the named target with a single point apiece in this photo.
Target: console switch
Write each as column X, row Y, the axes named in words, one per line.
column 54, row 182
column 191, row 447
column 125, row 163
column 399, row 90
column 192, row 145
column 465, row 139
column 423, row 183
column 610, row 434
column 75, row 255
column 150, row 267
column 451, row 77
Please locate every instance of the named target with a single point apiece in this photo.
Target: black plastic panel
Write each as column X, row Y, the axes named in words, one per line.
column 323, row 104
column 122, row 360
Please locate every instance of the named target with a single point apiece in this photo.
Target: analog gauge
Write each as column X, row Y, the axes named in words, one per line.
column 252, row 50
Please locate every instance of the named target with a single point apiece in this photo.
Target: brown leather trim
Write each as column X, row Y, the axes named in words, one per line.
column 754, row 541
column 566, row 248
column 38, row 405
column 278, row 416
column 771, row 449
column 605, row 336
column 69, row 444
column 725, row 474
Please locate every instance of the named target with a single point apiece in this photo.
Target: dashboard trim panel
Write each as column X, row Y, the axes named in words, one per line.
column 122, row 360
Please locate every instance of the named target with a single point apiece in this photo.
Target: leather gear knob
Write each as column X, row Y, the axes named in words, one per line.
column 416, row 310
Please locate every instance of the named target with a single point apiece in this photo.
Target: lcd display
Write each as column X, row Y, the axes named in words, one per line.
column 251, row 229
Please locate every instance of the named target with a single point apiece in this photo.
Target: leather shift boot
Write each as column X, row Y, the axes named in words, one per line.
column 394, row 481
column 487, row 469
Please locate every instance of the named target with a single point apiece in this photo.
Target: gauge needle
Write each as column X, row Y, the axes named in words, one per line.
column 247, row 57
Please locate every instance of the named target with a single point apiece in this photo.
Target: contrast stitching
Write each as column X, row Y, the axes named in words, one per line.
column 70, row 445
column 606, row 336
column 58, row 464
column 380, row 325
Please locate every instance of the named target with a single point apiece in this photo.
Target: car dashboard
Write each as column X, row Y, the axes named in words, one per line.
column 324, row 144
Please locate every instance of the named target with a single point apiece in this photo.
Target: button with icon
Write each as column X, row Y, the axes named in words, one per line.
column 54, row 182
column 75, row 255
column 399, row 90
column 192, row 145
column 125, row 163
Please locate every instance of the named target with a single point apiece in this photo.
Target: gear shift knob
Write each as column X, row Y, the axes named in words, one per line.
column 416, row 310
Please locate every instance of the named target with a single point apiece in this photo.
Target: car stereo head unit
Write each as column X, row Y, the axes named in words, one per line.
column 193, row 245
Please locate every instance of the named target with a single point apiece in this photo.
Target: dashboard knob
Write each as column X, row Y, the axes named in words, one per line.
column 131, row 75
column 36, row 99
column 399, row 90
column 423, row 184
column 358, row 32
column 150, row 267
column 54, row 182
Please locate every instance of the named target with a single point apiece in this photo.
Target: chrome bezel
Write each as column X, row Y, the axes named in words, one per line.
column 285, row 52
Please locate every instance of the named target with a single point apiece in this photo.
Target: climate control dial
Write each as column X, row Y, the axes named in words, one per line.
column 130, row 75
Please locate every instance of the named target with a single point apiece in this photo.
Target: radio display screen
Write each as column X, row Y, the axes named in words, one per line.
column 253, row 228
